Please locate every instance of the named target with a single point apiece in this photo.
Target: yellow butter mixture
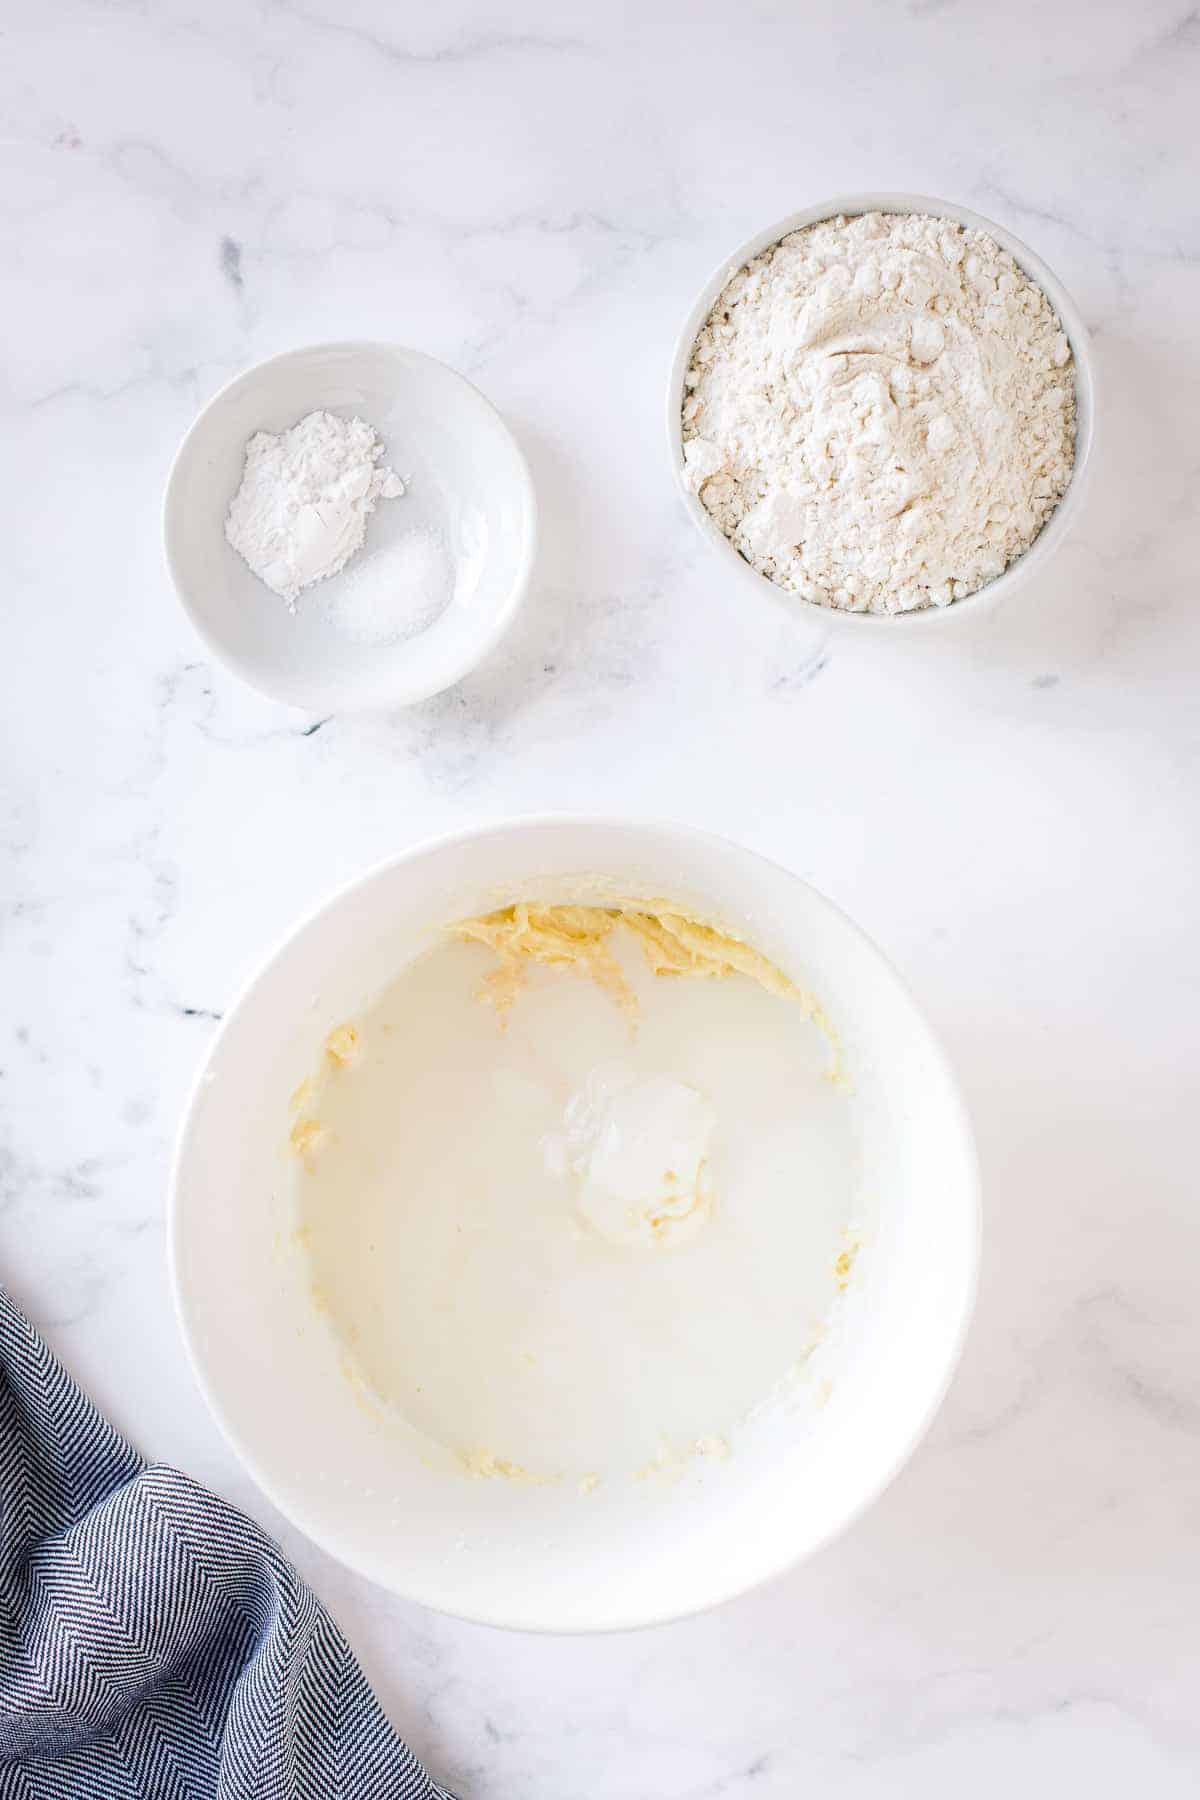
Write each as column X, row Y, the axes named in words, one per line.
column 575, row 937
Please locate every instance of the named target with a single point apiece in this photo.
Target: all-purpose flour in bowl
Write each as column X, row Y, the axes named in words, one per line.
column 879, row 412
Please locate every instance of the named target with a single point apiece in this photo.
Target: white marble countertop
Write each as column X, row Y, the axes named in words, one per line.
column 535, row 193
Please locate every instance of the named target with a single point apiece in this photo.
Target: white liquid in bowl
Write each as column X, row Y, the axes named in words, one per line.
column 385, row 1495
column 470, row 1265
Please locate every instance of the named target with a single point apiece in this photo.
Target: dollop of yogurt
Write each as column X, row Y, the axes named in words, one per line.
column 638, row 1148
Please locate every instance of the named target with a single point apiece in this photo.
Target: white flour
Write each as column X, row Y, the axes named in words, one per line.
column 301, row 511
column 880, row 412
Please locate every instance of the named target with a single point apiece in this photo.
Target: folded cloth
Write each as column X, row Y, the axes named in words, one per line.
column 154, row 1643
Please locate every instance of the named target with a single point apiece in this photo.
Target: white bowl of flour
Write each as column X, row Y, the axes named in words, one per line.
column 350, row 526
column 881, row 410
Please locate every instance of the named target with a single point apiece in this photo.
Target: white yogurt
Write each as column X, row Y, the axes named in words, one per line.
column 638, row 1148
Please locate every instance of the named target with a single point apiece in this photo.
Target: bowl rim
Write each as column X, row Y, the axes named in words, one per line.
column 478, row 646
column 1053, row 531
column 717, row 1595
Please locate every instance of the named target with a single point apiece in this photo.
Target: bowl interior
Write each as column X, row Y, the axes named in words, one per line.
column 468, row 483
column 360, row 1482
column 1071, row 319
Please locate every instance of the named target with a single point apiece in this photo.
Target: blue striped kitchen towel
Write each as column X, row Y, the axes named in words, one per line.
column 154, row 1643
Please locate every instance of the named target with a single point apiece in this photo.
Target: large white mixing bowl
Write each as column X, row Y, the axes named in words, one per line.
column 541, row 1558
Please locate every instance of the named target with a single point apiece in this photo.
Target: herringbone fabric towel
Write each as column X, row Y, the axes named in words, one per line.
column 154, row 1644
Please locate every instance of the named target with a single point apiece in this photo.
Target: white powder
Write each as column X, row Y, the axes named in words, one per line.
column 880, row 412
column 301, row 511
column 393, row 594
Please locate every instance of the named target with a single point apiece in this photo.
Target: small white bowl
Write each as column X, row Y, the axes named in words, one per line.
column 1055, row 528
column 542, row 1558
column 468, row 482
